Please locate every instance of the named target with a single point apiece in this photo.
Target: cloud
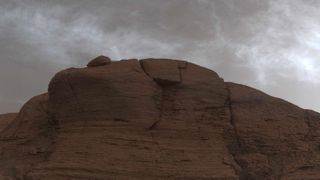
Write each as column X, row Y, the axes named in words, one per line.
column 285, row 41
column 270, row 44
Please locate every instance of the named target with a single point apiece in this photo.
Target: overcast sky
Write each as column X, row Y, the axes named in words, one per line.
column 272, row 45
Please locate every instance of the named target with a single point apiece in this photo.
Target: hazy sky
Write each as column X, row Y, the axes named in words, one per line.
column 272, row 45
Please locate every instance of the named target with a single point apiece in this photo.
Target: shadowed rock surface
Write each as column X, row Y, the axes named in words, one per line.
column 157, row 119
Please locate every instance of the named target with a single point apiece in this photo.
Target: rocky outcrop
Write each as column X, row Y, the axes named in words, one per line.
column 27, row 140
column 157, row 119
column 276, row 139
column 6, row 119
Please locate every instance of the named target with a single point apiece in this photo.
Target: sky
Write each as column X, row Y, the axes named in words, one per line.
column 271, row 45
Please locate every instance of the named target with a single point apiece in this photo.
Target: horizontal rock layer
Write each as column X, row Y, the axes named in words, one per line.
column 157, row 119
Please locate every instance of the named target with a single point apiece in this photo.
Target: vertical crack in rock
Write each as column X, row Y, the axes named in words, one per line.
column 233, row 140
column 229, row 103
column 182, row 66
column 161, row 109
column 166, row 105
column 74, row 93
column 143, row 69
column 161, row 101
column 166, row 100
column 77, row 101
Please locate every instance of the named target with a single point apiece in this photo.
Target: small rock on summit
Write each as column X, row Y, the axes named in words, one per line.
column 99, row 61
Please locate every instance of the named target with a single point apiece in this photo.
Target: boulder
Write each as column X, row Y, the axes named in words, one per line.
column 99, row 61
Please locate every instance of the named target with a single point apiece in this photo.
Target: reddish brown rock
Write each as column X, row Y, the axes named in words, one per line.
column 164, row 71
column 99, row 61
column 157, row 119
column 6, row 119
column 27, row 140
column 276, row 139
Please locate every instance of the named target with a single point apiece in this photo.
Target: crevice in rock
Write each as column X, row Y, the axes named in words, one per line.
column 143, row 68
column 166, row 105
column 233, row 140
column 229, row 103
column 74, row 93
column 160, row 80
column 166, row 99
column 182, row 66
column 155, row 123
column 77, row 101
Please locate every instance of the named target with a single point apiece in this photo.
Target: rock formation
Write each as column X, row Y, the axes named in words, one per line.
column 99, row 61
column 157, row 119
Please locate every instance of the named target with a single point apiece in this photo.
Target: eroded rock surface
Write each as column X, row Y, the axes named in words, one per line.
column 6, row 119
column 277, row 140
column 157, row 119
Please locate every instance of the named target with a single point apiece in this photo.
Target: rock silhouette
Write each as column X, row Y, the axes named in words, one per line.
column 157, row 119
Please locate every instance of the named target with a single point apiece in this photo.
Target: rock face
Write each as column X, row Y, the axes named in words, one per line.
column 158, row 119
column 276, row 140
column 6, row 119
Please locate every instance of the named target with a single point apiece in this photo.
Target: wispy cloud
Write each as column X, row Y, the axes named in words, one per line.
column 268, row 44
column 285, row 41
